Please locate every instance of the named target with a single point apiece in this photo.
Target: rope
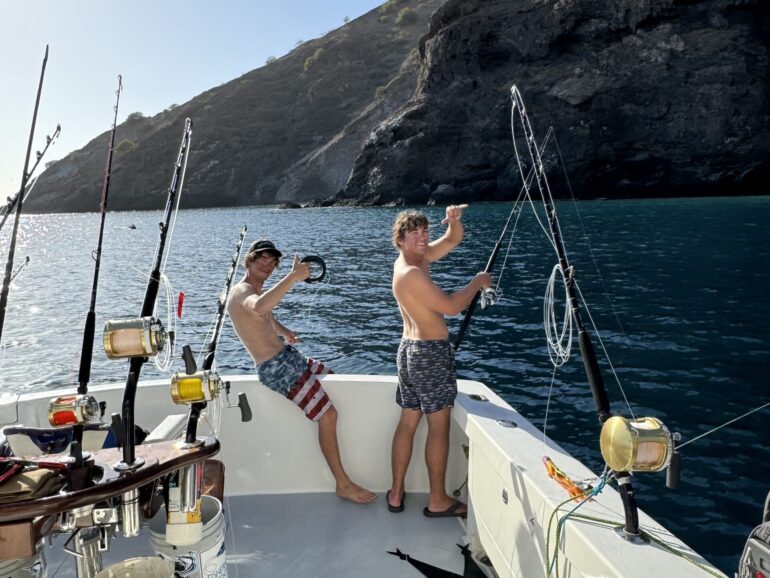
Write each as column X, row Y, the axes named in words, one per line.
column 553, row 564
column 584, row 497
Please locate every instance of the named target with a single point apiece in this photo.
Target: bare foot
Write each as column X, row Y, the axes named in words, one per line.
column 355, row 493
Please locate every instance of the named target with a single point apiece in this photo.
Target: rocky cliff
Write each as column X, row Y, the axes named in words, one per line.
column 647, row 98
column 287, row 131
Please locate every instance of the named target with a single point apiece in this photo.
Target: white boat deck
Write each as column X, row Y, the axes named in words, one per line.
column 283, row 518
column 313, row 535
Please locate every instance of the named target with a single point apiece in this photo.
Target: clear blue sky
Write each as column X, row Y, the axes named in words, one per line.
column 168, row 51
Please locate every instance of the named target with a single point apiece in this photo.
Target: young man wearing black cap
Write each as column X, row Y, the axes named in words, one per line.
column 279, row 365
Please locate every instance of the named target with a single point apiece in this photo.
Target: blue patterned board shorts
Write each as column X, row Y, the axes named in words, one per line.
column 426, row 375
column 292, row 375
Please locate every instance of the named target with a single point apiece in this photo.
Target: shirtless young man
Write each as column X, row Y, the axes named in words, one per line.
column 279, row 365
column 426, row 368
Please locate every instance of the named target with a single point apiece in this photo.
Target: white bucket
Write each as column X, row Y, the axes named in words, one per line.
column 32, row 567
column 150, row 567
column 205, row 559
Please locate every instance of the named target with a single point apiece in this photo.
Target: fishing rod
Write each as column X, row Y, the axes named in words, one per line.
column 196, row 388
column 140, row 338
column 490, row 292
column 20, row 268
column 84, row 375
column 68, row 404
column 24, row 179
column 595, row 380
column 490, row 296
column 11, row 202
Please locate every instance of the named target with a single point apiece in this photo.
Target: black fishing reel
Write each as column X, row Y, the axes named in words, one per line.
column 317, row 268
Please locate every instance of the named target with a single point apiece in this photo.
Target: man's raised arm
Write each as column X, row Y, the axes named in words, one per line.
column 264, row 303
column 454, row 234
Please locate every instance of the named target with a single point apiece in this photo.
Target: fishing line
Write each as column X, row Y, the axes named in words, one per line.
column 748, row 413
column 527, row 183
column 34, row 182
column 175, row 214
column 548, row 405
column 165, row 357
column 595, row 263
column 604, row 349
column 538, row 161
column 550, row 238
column 517, row 204
column 558, row 351
column 213, row 417
column 207, row 338
column 314, row 296
column 586, row 237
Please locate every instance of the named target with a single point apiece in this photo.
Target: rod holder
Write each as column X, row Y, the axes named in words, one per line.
column 129, row 510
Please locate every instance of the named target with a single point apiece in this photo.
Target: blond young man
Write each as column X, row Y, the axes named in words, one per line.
column 280, row 366
column 426, row 369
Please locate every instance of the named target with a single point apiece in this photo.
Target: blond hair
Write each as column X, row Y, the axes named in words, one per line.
column 407, row 221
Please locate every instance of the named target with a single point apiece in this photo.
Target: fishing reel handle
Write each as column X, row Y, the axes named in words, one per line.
column 318, row 261
column 243, row 403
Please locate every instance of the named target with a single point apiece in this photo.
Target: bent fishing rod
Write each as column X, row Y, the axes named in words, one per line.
column 20, row 198
column 590, row 363
column 197, row 388
column 148, row 307
column 83, row 408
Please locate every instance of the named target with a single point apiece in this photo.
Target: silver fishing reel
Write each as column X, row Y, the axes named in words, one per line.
column 142, row 337
column 489, row 297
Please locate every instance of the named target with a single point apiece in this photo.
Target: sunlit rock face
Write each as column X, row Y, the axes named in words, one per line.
column 285, row 132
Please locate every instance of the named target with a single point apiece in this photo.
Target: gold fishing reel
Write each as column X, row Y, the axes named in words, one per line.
column 636, row 445
column 73, row 410
column 200, row 386
column 142, row 337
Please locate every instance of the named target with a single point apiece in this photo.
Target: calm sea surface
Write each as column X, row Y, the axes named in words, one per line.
column 678, row 289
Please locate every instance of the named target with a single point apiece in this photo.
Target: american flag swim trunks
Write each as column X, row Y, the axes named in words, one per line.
column 291, row 374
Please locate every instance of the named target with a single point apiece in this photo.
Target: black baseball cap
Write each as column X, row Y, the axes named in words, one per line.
column 265, row 246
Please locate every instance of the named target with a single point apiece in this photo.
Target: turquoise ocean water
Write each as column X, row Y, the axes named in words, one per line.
column 678, row 289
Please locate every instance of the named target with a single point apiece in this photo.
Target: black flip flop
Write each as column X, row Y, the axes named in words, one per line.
column 450, row 512
column 395, row 509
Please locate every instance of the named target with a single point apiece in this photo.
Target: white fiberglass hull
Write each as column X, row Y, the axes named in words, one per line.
column 510, row 495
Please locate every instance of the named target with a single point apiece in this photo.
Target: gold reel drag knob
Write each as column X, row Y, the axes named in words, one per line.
column 143, row 337
column 641, row 445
